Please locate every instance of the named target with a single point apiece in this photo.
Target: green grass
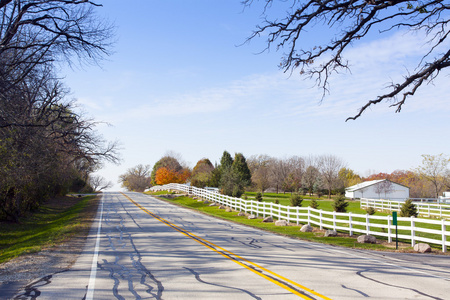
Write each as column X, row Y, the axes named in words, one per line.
column 47, row 227
column 293, row 231
column 324, row 203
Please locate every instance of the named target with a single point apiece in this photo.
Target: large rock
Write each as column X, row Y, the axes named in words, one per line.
column 281, row 223
column 228, row 209
column 241, row 214
column 366, row 239
column 268, row 219
column 222, row 207
column 206, row 202
column 422, row 248
column 251, row 217
column 330, row 233
column 306, row 228
column 213, row 204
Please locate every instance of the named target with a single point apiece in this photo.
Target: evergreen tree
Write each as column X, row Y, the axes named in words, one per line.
column 234, row 177
column 226, row 161
column 408, row 209
column 314, row 204
column 258, row 197
column 296, row 200
column 339, row 204
column 240, row 167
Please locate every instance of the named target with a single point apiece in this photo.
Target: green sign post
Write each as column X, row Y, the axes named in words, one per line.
column 394, row 221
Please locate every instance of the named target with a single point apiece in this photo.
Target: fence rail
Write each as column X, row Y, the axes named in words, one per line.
column 435, row 232
column 424, row 209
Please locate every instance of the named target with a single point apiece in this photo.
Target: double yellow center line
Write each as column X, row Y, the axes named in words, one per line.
column 279, row 280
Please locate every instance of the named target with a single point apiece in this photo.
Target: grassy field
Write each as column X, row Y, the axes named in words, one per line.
column 293, row 231
column 54, row 223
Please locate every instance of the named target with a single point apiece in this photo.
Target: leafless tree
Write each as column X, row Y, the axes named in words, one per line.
column 136, row 178
column 296, row 167
column 279, row 171
column 99, row 183
column 435, row 169
column 310, row 178
column 384, row 187
column 352, row 21
column 329, row 167
column 36, row 32
column 259, row 166
column 47, row 144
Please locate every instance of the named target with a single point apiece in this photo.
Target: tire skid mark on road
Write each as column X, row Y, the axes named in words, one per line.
column 359, row 273
column 127, row 263
column 273, row 277
column 197, row 277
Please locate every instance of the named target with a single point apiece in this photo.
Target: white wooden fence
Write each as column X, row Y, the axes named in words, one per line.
column 414, row 229
column 424, row 209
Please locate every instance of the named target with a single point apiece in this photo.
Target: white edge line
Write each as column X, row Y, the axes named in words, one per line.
column 91, row 285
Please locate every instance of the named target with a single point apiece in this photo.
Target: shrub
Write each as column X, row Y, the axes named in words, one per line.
column 277, row 201
column 296, row 200
column 408, row 209
column 258, row 197
column 244, row 197
column 314, row 204
column 370, row 210
column 339, row 204
column 237, row 191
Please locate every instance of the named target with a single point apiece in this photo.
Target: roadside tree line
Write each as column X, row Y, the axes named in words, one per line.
column 313, row 174
column 47, row 147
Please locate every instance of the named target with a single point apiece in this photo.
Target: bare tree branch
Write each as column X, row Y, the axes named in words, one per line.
column 352, row 20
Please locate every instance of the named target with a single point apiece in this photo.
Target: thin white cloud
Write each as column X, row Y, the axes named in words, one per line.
column 277, row 95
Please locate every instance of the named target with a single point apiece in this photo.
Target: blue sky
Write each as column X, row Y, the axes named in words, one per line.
column 182, row 79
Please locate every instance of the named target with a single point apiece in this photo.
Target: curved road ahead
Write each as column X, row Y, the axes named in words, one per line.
column 144, row 248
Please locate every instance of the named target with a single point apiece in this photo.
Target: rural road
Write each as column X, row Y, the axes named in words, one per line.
column 144, row 248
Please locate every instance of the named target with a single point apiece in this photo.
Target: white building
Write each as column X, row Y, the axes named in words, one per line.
column 378, row 189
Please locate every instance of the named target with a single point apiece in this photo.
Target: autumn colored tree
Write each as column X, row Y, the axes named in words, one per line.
column 377, row 176
column 169, row 161
column 348, row 177
column 202, row 173
column 165, row 176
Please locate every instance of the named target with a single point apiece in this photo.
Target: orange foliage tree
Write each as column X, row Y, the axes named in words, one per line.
column 165, row 176
column 418, row 187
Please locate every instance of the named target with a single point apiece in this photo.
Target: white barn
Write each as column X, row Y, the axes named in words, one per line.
column 378, row 189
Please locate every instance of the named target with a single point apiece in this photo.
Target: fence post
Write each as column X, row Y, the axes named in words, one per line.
column 334, row 220
column 320, row 220
column 367, row 224
column 444, row 237
column 389, row 228
column 279, row 212
column 350, row 226
column 309, row 215
column 413, row 232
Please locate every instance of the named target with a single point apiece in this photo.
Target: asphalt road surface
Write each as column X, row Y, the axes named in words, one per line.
column 144, row 248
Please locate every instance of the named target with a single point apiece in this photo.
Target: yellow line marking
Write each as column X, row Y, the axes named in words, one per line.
column 231, row 256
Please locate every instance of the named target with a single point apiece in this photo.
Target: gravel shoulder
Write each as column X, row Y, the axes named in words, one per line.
column 17, row 273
